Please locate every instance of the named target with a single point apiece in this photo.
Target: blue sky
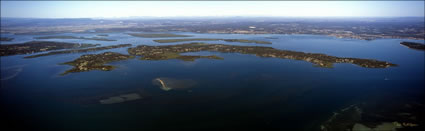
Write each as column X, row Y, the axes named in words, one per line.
column 112, row 9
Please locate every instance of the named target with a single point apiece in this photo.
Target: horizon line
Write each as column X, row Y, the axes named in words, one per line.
column 135, row 17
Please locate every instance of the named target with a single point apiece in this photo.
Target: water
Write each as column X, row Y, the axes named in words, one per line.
column 242, row 91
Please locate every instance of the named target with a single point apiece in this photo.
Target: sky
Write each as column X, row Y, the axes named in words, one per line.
column 115, row 9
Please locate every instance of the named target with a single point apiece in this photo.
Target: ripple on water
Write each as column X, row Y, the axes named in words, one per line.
column 11, row 72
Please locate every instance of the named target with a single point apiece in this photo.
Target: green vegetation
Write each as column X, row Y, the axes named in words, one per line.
column 95, row 62
column 210, row 39
column 172, row 55
column 79, row 50
column 320, row 60
column 103, row 35
column 156, row 35
column 73, row 37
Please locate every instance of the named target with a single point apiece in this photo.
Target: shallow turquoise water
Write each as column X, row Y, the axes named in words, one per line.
column 241, row 91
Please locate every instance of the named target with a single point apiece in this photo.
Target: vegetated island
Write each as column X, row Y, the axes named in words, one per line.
column 271, row 37
column 6, row 39
column 95, row 62
column 103, row 35
column 321, row 60
column 413, row 45
column 38, row 46
column 79, row 50
column 163, row 35
column 210, row 39
column 74, row 37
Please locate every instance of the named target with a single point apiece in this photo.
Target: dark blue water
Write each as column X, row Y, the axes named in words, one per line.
column 242, row 91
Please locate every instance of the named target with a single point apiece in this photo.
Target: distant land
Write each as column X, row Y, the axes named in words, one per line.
column 6, row 39
column 162, row 35
column 210, row 39
column 73, row 37
column 355, row 27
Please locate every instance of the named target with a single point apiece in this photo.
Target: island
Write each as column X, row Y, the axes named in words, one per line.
column 74, row 37
column 6, row 39
column 211, row 39
column 163, row 35
column 271, row 37
column 321, row 60
column 103, row 35
column 413, row 45
column 95, row 62
column 171, row 55
column 80, row 50
column 38, row 46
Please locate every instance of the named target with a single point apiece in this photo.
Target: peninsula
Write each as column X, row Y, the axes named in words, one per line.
column 413, row 45
column 38, row 46
column 79, row 50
